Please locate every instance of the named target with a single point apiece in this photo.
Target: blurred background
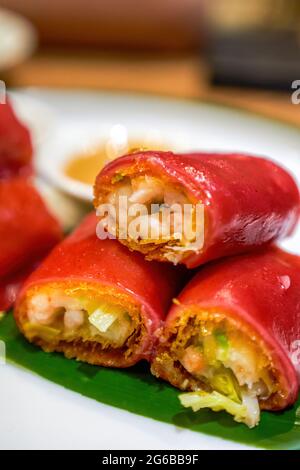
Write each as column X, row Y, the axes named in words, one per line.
column 237, row 52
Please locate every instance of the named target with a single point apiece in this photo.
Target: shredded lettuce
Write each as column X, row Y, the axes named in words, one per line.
column 209, row 350
column 101, row 320
column 225, row 383
column 33, row 329
column 216, row 348
column 222, row 352
column 221, row 338
column 218, row 402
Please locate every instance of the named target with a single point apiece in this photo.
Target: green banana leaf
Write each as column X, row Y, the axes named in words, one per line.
column 135, row 390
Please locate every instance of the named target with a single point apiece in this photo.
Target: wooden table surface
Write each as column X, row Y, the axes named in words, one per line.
column 180, row 76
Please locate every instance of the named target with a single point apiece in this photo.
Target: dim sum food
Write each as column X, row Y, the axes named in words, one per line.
column 27, row 230
column 96, row 301
column 15, row 144
column 27, row 233
column 247, row 202
column 230, row 341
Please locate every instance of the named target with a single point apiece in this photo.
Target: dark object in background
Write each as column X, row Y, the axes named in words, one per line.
column 255, row 43
column 268, row 59
column 135, row 24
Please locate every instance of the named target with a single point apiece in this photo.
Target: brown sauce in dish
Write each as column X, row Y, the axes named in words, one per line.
column 84, row 167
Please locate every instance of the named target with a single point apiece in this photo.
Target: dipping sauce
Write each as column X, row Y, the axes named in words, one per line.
column 85, row 166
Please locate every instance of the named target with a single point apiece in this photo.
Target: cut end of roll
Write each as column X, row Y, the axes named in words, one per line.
column 99, row 325
column 151, row 215
column 219, row 366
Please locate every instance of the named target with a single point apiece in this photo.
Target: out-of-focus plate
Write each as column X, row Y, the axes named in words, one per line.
column 84, row 119
column 18, row 39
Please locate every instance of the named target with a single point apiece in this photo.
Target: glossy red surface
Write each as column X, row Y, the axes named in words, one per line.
column 262, row 291
column 83, row 257
column 249, row 201
column 27, row 232
column 15, row 144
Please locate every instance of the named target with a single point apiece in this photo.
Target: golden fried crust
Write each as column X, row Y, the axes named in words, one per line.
column 166, row 365
column 92, row 352
column 151, row 251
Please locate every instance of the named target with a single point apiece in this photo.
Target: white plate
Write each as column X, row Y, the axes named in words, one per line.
column 85, row 119
column 38, row 414
column 17, row 39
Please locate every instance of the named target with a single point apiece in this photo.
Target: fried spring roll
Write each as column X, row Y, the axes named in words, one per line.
column 247, row 202
column 231, row 339
column 96, row 301
column 27, row 233
column 15, row 144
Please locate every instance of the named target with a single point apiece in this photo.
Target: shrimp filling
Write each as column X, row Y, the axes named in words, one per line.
column 154, row 217
column 54, row 314
column 222, row 367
